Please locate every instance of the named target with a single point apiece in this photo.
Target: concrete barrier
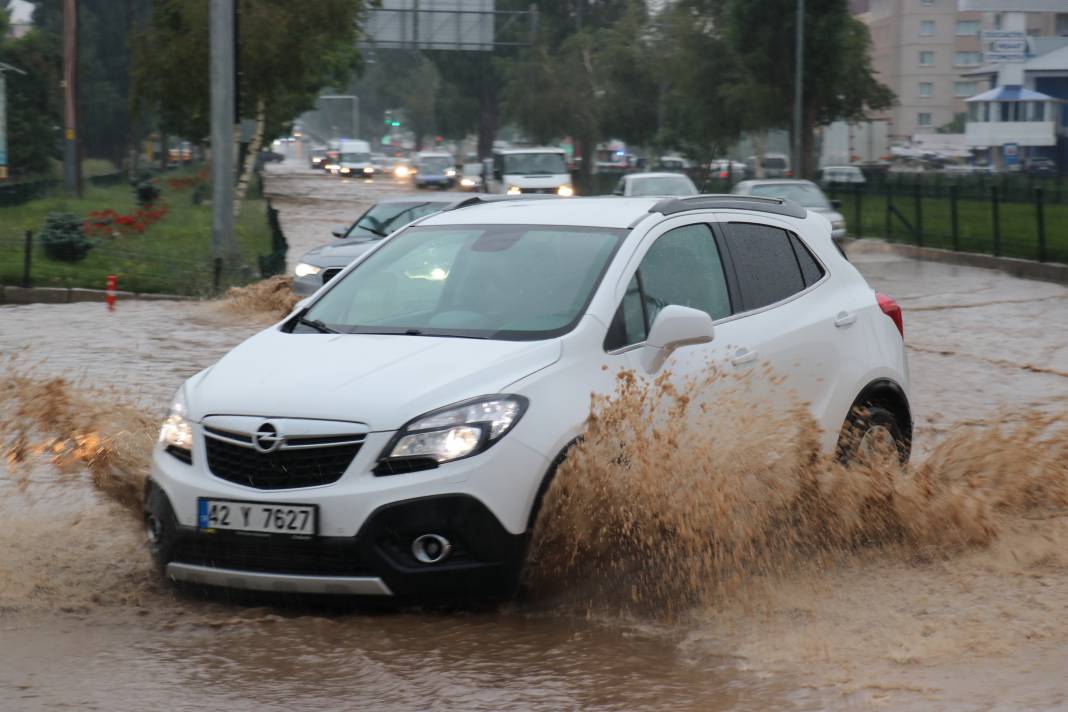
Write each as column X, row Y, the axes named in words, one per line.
column 1025, row 269
column 65, row 295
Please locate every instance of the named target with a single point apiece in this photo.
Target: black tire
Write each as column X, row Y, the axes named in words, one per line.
column 867, row 427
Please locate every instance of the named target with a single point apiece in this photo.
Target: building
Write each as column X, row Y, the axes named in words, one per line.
column 924, row 50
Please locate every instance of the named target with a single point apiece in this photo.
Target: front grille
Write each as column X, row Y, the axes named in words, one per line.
column 307, row 465
column 271, row 554
column 538, row 191
column 329, row 274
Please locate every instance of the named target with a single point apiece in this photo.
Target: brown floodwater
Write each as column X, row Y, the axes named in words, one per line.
column 942, row 588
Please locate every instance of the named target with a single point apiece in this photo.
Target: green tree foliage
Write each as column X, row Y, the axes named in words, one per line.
column 838, row 79
column 34, row 111
column 288, row 52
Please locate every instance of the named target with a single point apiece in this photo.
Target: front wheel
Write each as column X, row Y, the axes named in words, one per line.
column 873, row 436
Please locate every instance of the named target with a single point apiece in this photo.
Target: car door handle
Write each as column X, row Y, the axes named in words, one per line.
column 845, row 319
column 743, row 356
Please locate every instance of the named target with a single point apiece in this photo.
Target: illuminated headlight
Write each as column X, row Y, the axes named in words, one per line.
column 303, row 269
column 468, row 182
column 450, row 172
column 401, row 171
column 838, row 224
column 565, row 190
column 368, row 169
column 332, row 166
column 176, row 432
column 346, row 170
column 455, row 432
column 514, row 190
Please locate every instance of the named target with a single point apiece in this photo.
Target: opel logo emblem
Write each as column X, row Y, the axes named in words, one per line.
column 267, row 438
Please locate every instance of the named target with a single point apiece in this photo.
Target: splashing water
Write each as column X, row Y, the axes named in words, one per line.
column 667, row 502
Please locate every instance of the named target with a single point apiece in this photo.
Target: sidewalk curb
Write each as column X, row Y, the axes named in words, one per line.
column 72, row 295
column 1024, row 269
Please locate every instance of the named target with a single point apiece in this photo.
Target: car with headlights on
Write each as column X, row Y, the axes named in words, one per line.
column 803, row 192
column 394, row 435
column 655, row 184
column 320, row 264
column 433, row 169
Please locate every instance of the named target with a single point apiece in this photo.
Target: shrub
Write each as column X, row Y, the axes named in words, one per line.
column 63, row 237
column 147, row 193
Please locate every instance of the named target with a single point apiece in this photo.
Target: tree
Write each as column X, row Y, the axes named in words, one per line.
column 34, row 112
column 838, row 80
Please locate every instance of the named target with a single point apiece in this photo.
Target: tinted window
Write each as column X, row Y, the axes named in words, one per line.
column 765, row 263
column 810, row 268
column 683, row 268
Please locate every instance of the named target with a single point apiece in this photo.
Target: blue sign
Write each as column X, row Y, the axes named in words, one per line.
column 1010, row 152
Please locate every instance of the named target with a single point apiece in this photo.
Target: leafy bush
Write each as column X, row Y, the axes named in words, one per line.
column 63, row 237
column 147, row 193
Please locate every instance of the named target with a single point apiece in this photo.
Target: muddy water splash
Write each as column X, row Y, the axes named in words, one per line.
column 667, row 503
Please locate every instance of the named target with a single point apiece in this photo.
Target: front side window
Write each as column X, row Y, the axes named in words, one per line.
column 682, row 267
column 509, row 282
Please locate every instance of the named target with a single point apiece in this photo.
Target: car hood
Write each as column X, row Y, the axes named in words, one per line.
column 382, row 381
column 337, row 254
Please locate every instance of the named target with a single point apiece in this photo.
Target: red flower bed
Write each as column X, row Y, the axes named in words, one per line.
column 108, row 223
column 190, row 182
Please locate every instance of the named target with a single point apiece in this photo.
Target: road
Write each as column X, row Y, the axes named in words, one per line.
column 84, row 624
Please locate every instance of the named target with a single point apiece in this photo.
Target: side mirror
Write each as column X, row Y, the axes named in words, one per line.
column 675, row 326
column 836, row 204
column 340, row 231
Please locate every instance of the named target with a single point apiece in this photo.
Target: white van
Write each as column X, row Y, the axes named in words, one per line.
column 530, row 170
column 775, row 165
column 355, row 158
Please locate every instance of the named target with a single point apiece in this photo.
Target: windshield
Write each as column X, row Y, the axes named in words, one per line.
column 384, row 218
column 673, row 185
column 355, row 157
column 435, row 164
column 472, row 169
column 513, row 282
column 534, row 163
column 804, row 194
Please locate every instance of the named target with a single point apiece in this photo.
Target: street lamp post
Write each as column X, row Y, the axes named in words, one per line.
column 799, row 65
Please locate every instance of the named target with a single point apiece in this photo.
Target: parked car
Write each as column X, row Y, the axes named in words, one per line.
column 393, row 436
column 433, row 169
column 830, row 175
column 803, row 192
column 775, row 165
column 724, row 169
column 673, row 163
column 663, row 184
column 319, row 265
column 1041, row 166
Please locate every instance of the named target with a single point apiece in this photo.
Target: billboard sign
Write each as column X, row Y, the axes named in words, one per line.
column 432, row 24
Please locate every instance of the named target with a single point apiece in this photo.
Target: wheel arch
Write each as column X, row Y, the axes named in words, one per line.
column 888, row 394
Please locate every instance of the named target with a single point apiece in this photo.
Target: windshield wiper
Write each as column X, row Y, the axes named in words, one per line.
column 317, row 325
column 372, row 230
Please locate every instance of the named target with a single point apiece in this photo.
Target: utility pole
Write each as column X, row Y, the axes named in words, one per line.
column 3, row 117
column 221, row 20
column 799, row 66
column 72, row 173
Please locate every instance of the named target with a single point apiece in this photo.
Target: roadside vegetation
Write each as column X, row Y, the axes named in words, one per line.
column 163, row 249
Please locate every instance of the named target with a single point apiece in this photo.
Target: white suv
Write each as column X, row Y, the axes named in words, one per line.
column 394, row 435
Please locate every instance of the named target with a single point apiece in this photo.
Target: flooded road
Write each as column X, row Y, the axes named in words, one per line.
column 84, row 623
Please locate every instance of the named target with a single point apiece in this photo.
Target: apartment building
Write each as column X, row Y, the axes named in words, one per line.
column 922, row 49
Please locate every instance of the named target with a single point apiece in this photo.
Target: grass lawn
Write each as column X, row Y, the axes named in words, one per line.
column 975, row 220
column 171, row 256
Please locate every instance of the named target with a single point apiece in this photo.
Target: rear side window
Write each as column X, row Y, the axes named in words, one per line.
column 810, row 268
column 765, row 262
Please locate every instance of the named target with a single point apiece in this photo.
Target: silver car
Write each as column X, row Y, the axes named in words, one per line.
column 656, row 185
column 319, row 265
column 804, row 192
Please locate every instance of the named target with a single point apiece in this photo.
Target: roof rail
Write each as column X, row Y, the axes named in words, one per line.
column 779, row 206
column 483, row 198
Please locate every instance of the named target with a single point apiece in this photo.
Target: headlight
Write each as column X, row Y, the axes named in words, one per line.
column 176, row 433
column 467, row 182
column 401, row 171
column 368, row 169
column 303, row 269
column 565, row 190
column 450, row 172
column 346, row 170
column 452, row 433
column 514, row 190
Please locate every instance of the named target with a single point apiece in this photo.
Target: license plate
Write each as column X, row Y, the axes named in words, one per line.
column 263, row 517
